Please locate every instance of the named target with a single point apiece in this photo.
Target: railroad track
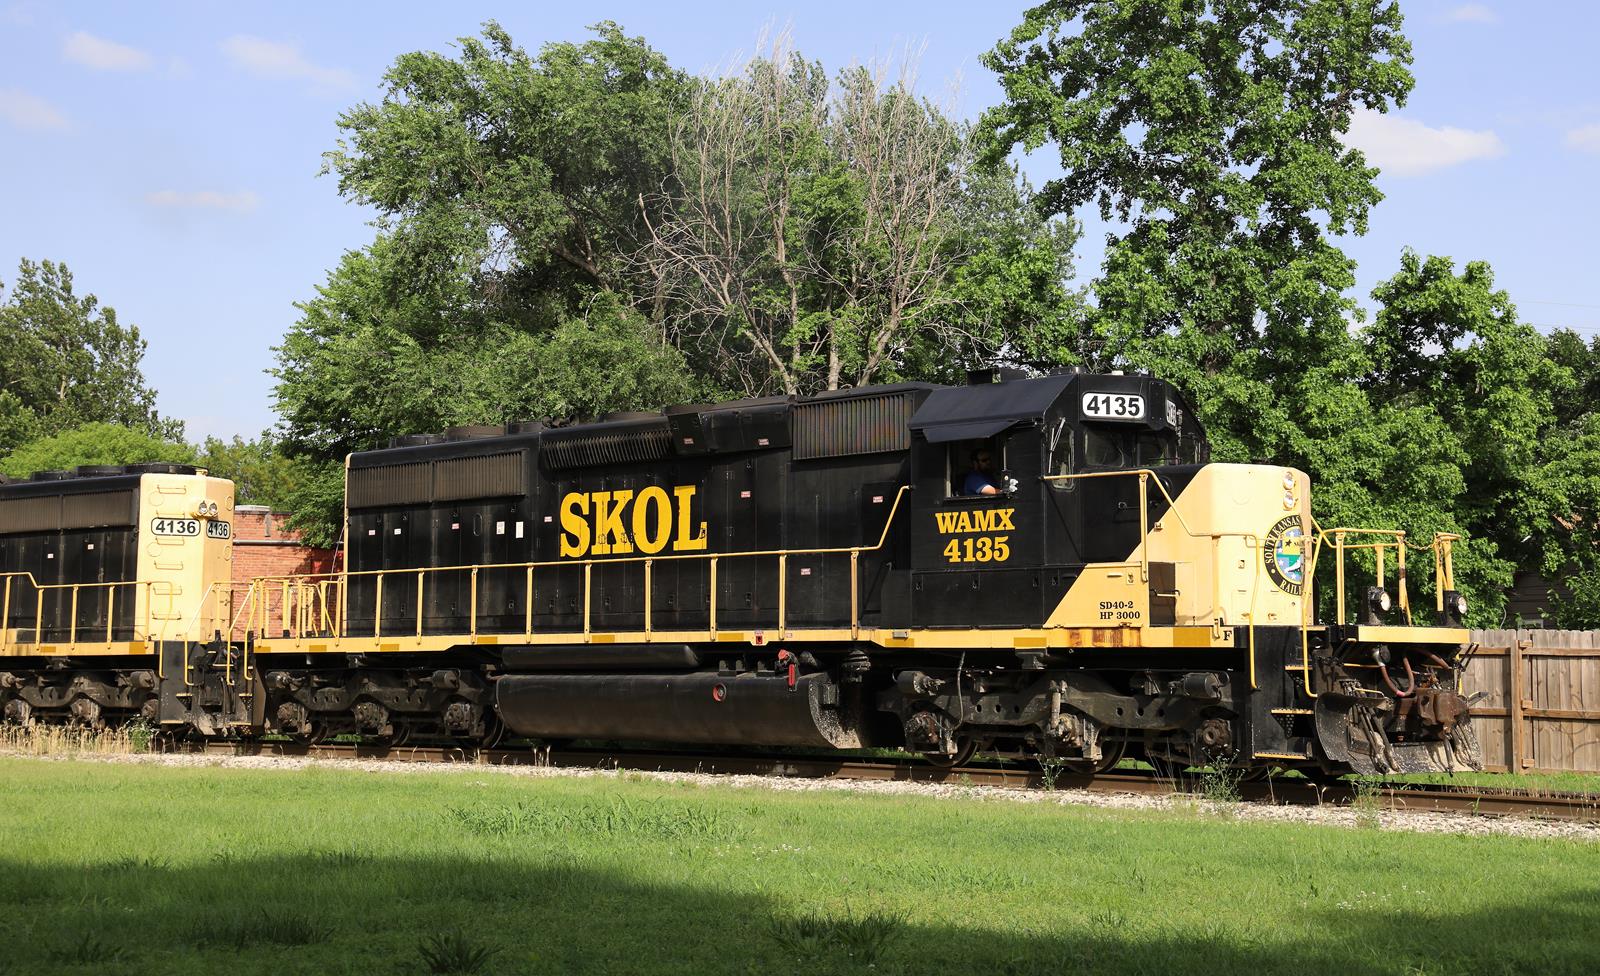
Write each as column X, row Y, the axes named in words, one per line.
column 1387, row 796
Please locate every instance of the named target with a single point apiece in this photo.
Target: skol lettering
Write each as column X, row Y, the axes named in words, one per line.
column 574, row 524
column 609, row 536
column 616, row 523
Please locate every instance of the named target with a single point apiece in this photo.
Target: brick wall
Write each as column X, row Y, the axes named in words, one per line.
column 264, row 546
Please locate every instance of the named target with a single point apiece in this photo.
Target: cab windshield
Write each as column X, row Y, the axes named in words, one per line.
column 1129, row 449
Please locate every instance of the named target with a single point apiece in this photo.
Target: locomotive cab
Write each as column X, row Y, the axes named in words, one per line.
column 1007, row 559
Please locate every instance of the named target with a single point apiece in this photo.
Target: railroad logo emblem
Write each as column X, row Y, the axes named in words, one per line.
column 1284, row 553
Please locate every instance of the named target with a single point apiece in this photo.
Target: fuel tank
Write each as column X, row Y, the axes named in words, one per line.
column 702, row 707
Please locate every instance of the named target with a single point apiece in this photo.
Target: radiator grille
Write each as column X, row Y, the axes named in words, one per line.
column 445, row 480
column 619, row 447
column 490, row 476
column 101, row 508
column 858, row 425
column 50, row 513
column 30, row 514
column 390, row 484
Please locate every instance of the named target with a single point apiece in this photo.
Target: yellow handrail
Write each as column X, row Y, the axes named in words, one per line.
column 73, row 592
column 1444, row 576
column 337, row 581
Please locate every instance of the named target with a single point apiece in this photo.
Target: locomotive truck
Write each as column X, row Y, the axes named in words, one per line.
column 780, row 572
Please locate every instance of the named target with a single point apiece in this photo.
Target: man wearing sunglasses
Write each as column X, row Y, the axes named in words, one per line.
column 980, row 480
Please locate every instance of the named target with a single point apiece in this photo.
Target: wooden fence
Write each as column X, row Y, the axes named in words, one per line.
column 1542, row 713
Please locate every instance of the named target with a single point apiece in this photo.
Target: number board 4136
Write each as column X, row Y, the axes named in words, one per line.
column 1113, row 406
column 183, row 528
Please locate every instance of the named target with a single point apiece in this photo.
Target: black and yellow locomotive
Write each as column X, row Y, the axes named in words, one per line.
column 1048, row 566
column 115, row 589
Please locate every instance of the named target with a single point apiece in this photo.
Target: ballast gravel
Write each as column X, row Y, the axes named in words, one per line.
column 1429, row 822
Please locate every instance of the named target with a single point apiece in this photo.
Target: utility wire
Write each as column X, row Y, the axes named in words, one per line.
column 1539, row 301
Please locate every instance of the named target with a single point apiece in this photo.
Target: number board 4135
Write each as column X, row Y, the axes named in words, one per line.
column 1113, row 406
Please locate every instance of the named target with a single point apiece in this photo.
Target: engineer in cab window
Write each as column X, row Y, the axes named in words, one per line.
column 980, row 480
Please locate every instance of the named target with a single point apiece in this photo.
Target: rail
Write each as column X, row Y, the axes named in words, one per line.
column 318, row 605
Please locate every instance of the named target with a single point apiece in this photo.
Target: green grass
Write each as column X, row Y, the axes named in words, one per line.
column 129, row 869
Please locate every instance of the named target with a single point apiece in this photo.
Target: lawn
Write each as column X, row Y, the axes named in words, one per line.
column 108, row 868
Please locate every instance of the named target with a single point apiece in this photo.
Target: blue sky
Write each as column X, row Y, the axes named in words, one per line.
column 168, row 152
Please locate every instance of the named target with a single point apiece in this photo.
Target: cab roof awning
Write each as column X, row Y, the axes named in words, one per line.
column 962, row 413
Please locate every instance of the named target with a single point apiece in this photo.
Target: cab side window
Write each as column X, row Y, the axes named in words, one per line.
column 974, row 463
column 1059, row 458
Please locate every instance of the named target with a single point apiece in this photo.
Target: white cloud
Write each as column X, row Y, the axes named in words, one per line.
column 104, row 55
column 1585, row 138
column 19, row 14
column 1406, row 147
column 27, row 111
column 1472, row 13
column 284, row 62
column 243, row 202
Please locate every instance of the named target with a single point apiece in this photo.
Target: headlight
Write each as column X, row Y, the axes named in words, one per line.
column 1288, row 481
column 1378, row 604
column 1289, row 501
column 1461, row 605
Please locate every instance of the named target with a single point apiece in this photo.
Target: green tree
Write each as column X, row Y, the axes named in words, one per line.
column 502, row 283
column 359, row 368
column 1565, row 515
column 65, row 361
column 520, row 173
column 1008, row 298
column 260, row 472
column 1210, row 131
column 93, row 443
column 1450, row 347
column 1566, row 348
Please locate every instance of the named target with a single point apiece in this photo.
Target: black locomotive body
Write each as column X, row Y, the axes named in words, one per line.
column 814, row 478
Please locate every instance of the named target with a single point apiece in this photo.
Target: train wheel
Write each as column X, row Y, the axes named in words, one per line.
column 494, row 732
column 1169, row 769
column 1255, row 774
column 399, row 735
column 965, row 750
column 1111, row 753
column 315, row 735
